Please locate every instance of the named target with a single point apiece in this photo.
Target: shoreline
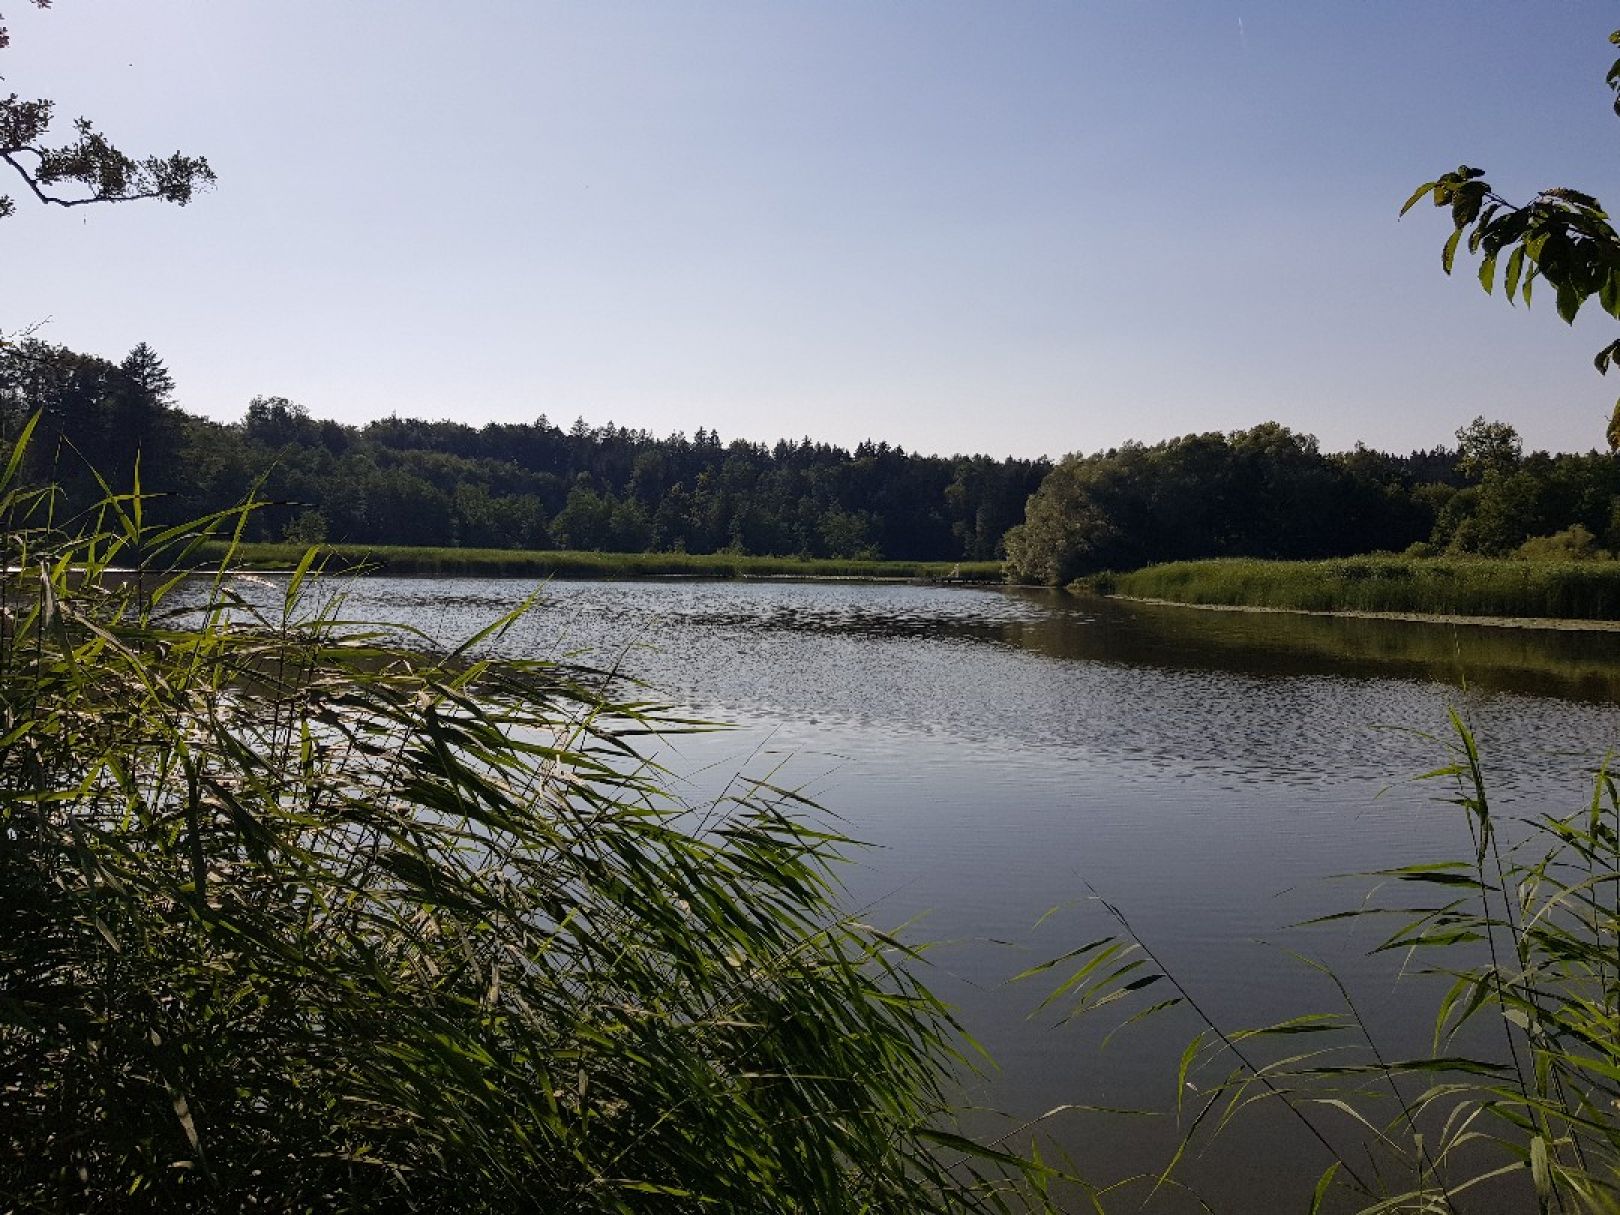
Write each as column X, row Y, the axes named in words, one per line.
column 1550, row 623
column 585, row 564
column 538, row 564
column 575, row 576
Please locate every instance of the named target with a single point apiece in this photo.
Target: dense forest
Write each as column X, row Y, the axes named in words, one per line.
column 1270, row 492
column 1263, row 492
column 501, row 485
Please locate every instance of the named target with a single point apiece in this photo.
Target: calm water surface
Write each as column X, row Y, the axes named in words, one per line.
column 1007, row 752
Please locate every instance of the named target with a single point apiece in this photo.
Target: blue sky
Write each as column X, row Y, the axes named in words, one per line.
column 1000, row 226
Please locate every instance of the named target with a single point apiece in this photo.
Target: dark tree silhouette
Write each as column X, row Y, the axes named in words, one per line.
column 87, row 168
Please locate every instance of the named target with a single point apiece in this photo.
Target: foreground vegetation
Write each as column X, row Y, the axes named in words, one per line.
column 297, row 920
column 1514, row 1106
column 499, row 563
column 1579, row 590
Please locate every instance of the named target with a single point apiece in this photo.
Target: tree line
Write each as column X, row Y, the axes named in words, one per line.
column 1263, row 492
column 503, row 485
column 1271, row 492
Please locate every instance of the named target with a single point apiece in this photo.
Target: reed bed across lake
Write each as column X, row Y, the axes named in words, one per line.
column 1577, row 590
column 523, row 563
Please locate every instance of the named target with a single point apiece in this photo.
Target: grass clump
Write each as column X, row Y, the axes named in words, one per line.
column 1558, row 589
column 503, row 563
column 297, row 919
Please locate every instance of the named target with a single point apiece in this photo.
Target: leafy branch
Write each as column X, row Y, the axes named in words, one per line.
column 1562, row 235
column 89, row 165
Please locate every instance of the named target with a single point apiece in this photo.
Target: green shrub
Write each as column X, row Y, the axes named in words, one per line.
column 1572, row 544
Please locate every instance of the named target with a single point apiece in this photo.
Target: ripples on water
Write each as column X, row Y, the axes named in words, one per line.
column 1237, row 701
column 1005, row 751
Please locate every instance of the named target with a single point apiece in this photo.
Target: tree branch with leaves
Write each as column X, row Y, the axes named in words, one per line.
column 88, row 168
column 1562, row 235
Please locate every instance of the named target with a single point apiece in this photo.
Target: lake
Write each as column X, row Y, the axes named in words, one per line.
column 1007, row 753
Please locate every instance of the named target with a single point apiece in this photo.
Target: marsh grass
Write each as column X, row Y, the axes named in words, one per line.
column 500, row 563
column 1581, row 590
column 297, row 917
column 1517, row 1102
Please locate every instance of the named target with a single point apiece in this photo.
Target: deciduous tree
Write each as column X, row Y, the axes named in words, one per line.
column 1486, row 447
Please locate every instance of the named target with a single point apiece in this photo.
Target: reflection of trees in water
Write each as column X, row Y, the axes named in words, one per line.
column 1543, row 662
column 1546, row 662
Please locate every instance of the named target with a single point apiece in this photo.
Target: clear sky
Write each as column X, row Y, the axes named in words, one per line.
column 1011, row 226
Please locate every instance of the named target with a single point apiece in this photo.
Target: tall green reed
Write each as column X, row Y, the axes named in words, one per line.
column 307, row 914
column 1517, row 1102
column 1473, row 586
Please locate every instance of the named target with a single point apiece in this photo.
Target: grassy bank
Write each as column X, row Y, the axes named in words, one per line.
column 499, row 562
column 1585, row 590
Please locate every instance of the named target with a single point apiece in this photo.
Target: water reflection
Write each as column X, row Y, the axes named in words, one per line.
column 1544, row 662
column 1569, row 664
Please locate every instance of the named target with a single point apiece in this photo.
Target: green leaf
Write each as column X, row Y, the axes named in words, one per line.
column 1439, row 876
column 1569, row 301
column 18, row 449
column 1064, row 957
column 290, row 597
column 1574, row 197
column 1188, row 1054
column 1322, row 1185
column 1466, row 204
column 1487, row 273
column 1510, row 276
column 1427, row 187
column 1449, row 253
column 968, row 1147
